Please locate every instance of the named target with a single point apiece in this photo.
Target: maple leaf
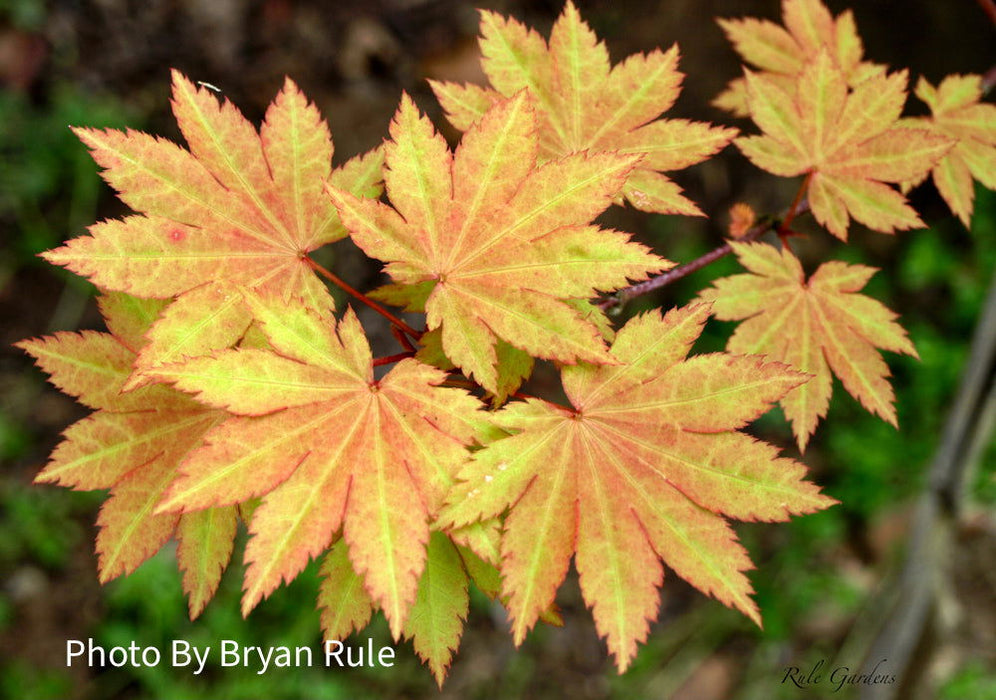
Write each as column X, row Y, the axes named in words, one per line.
column 343, row 600
column 327, row 446
column 640, row 469
column 816, row 326
column 131, row 444
column 849, row 143
column 782, row 52
column 957, row 113
column 494, row 245
column 435, row 621
column 240, row 208
column 586, row 104
column 205, row 541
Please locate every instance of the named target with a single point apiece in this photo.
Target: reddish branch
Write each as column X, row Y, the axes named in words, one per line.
column 378, row 361
column 402, row 338
column 989, row 7
column 800, row 206
column 334, row 279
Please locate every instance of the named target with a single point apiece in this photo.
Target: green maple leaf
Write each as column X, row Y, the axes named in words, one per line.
column 435, row 620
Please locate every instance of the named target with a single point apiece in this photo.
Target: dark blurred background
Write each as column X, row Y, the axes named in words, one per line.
column 823, row 581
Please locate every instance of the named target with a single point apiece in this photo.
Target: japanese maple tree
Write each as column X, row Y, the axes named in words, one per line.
column 228, row 388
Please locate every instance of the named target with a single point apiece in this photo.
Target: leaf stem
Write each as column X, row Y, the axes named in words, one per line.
column 402, row 338
column 334, row 279
column 800, row 206
column 783, row 227
column 378, row 361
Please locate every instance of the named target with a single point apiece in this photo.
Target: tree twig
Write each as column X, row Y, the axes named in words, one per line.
column 989, row 7
column 653, row 284
column 379, row 361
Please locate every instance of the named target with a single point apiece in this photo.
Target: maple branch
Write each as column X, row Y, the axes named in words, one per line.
column 378, row 361
column 334, row 279
column 800, row 206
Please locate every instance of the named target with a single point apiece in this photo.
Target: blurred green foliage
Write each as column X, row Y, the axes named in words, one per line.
column 18, row 679
column 23, row 14
column 41, row 525
column 974, row 681
column 48, row 185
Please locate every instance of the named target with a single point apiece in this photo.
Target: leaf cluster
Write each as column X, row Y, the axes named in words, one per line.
column 229, row 388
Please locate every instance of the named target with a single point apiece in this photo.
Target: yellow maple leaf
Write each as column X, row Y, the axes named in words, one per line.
column 496, row 246
column 813, row 325
column 642, row 467
column 240, row 207
column 585, row 103
column 328, row 447
column 132, row 445
column 957, row 112
column 782, row 52
column 847, row 142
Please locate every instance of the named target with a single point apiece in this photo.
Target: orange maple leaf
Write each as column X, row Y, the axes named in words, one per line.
column 958, row 113
column 327, row 446
column 815, row 326
column 240, row 208
column 585, row 103
column 642, row 468
column 848, row 143
column 782, row 52
column 132, row 445
column 493, row 247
